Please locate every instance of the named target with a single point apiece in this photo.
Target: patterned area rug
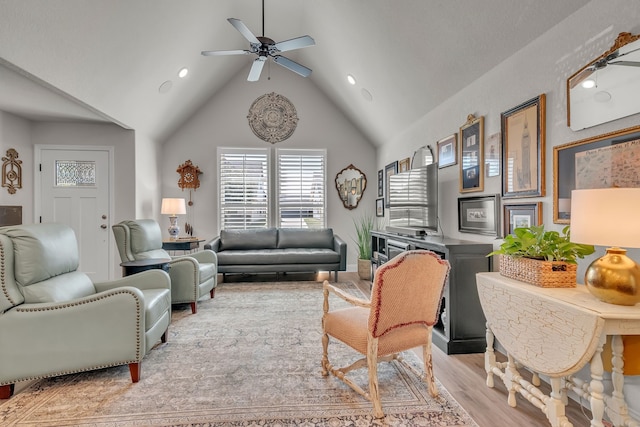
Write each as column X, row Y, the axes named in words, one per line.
column 249, row 357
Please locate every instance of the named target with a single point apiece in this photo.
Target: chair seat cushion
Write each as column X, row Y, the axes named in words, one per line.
column 156, row 303
column 350, row 325
column 207, row 271
column 278, row 256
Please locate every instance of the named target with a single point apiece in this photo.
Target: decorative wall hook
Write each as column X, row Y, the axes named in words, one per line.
column 11, row 171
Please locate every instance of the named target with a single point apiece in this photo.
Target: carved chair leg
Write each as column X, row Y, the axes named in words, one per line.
column 6, row 391
column 428, row 368
column 134, row 369
column 325, row 354
column 194, row 307
column 372, row 365
column 212, row 292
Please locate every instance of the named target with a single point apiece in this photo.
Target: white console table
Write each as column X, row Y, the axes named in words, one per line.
column 556, row 332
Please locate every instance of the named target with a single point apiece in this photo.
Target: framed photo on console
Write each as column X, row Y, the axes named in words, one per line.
column 472, row 155
column 479, row 215
column 521, row 215
column 523, row 135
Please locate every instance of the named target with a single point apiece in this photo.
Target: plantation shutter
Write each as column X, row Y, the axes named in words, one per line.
column 301, row 188
column 244, row 188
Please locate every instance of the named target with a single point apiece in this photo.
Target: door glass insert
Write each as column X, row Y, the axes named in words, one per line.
column 75, row 173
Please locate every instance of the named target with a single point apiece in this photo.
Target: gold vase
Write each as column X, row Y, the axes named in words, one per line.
column 614, row 278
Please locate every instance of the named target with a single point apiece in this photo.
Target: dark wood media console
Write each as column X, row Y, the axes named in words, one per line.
column 462, row 325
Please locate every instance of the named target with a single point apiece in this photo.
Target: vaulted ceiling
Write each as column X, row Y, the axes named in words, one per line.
column 106, row 59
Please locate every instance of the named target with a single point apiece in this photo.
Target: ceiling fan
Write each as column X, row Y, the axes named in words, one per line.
column 265, row 47
column 611, row 59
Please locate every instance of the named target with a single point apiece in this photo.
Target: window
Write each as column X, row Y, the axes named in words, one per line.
column 301, row 188
column 252, row 196
column 244, row 188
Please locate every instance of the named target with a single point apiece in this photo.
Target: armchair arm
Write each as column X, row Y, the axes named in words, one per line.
column 100, row 330
column 340, row 246
column 149, row 279
column 213, row 245
column 205, row 256
column 327, row 288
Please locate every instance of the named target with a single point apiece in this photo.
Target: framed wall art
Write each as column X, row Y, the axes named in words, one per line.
column 479, row 215
column 603, row 161
column 390, row 169
column 519, row 215
column 404, row 165
column 448, row 151
column 523, row 137
column 492, row 155
column 471, row 154
column 381, row 183
column 379, row 207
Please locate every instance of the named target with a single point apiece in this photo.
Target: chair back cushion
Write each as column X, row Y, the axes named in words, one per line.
column 313, row 238
column 139, row 239
column 10, row 294
column 45, row 260
column 248, row 239
column 406, row 291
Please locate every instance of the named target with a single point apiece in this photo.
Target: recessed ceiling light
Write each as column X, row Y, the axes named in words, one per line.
column 183, row 72
column 588, row 84
column 351, row 79
column 165, row 87
column 366, row 95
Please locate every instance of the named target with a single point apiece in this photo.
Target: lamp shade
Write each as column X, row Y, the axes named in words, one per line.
column 606, row 217
column 173, row 207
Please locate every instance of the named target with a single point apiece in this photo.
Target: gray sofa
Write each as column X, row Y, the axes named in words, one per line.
column 279, row 250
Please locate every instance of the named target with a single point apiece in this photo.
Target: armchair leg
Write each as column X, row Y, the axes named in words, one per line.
column 212, row 292
column 6, row 391
column 163, row 338
column 372, row 365
column 134, row 369
column 194, row 307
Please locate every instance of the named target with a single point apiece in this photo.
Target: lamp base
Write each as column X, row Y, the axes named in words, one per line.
column 174, row 230
column 614, row 278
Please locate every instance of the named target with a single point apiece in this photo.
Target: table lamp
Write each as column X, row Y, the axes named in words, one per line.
column 173, row 208
column 609, row 217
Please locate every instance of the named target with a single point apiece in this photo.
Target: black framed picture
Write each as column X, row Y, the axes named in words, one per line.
column 381, row 183
column 479, row 215
column 448, row 151
column 518, row 215
column 471, row 155
column 390, row 169
column 379, row 207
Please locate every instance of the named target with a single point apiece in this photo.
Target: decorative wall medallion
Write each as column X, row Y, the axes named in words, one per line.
column 11, row 171
column 272, row 117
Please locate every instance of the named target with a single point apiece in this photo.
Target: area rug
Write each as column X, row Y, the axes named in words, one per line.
column 249, row 357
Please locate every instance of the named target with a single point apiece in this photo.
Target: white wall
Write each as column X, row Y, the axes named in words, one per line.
column 222, row 122
column 541, row 67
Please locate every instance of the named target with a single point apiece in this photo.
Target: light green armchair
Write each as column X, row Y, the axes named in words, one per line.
column 54, row 320
column 192, row 276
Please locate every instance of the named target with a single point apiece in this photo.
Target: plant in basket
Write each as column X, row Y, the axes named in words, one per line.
column 543, row 258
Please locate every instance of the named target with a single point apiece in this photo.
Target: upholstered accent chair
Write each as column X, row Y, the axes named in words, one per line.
column 54, row 320
column 192, row 275
column 404, row 306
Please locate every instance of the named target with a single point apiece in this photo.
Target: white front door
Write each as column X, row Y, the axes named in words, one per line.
column 75, row 190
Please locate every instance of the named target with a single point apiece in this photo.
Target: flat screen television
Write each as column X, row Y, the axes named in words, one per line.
column 413, row 201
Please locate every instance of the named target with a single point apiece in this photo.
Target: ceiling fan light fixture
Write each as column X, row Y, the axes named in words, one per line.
column 351, row 79
column 588, row 84
column 183, row 72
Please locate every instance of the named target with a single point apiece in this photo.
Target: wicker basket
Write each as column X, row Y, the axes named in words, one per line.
column 546, row 274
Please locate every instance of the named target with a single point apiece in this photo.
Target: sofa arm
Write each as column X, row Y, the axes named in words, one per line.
column 149, row 279
column 100, row 330
column 205, row 257
column 213, row 245
column 340, row 246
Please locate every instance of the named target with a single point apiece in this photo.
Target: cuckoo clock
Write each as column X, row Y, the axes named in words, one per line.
column 188, row 175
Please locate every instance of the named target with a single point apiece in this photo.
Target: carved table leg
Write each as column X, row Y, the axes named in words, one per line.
column 555, row 405
column 510, row 380
column 596, row 387
column 489, row 357
column 616, row 406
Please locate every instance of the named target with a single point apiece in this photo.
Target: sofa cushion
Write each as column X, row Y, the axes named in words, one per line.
column 305, row 238
column 248, row 239
column 278, row 256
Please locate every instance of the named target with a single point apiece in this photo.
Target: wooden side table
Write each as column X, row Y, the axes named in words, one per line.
column 137, row 266
column 185, row 245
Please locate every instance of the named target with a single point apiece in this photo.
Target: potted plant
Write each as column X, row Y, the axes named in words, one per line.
column 364, row 225
column 543, row 258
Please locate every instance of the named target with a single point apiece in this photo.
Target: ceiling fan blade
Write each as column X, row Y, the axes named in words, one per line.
column 292, row 65
column 224, row 52
column 256, row 69
column 582, row 76
column 246, row 32
column 629, row 63
column 297, row 43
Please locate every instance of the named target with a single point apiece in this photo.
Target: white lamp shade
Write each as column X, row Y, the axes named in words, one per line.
column 173, row 207
column 606, row 217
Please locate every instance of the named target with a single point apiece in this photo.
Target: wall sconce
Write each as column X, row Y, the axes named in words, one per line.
column 173, row 208
column 609, row 217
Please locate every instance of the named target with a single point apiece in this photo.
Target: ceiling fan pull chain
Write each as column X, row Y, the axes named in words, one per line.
column 262, row 18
